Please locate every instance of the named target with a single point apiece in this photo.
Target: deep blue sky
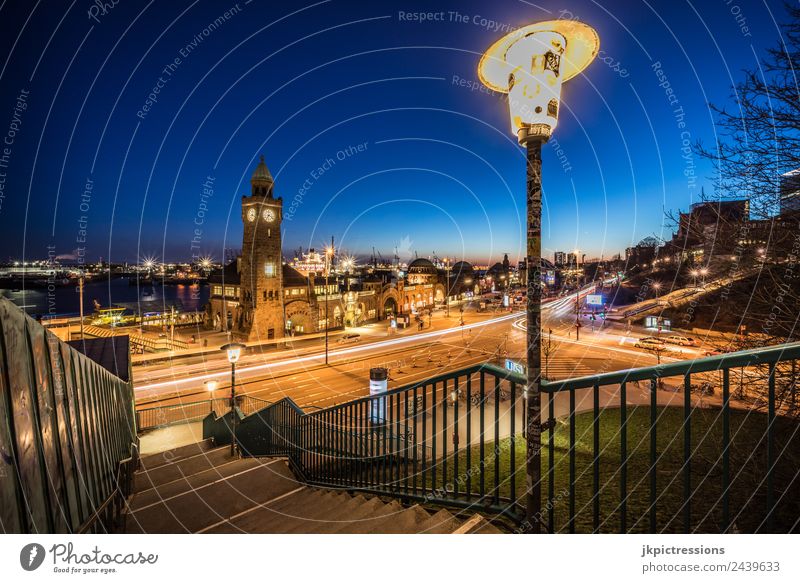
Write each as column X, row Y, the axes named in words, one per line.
column 301, row 82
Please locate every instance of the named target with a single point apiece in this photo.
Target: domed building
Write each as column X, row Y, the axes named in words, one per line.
column 423, row 286
column 462, row 278
column 422, row 271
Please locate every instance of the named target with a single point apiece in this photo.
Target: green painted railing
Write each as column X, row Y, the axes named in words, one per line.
column 68, row 444
column 648, row 449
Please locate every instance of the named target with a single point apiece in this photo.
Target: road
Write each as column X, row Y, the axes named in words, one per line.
column 410, row 356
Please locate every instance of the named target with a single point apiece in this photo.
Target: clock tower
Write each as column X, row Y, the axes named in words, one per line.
column 261, row 277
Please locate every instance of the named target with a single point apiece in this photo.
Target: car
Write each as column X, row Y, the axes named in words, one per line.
column 650, row 343
column 712, row 352
column 680, row 340
column 348, row 338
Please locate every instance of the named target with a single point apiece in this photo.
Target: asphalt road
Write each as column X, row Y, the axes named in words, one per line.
column 410, row 356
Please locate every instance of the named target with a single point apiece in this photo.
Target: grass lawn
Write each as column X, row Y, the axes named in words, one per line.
column 748, row 464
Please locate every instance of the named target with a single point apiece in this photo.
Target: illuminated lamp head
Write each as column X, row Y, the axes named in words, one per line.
column 530, row 64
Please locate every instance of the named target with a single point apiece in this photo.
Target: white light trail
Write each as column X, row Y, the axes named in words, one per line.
column 334, row 353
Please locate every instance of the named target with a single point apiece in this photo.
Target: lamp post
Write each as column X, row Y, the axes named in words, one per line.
column 530, row 64
column 328, row 262
column 694, row 277
column 233, row 351
column 211, row 386
column 447, row 279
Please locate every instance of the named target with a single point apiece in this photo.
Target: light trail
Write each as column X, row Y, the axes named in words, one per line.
column 335, row 353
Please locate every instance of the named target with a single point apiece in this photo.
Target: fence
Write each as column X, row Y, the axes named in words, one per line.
column 618, row 456
column 164, row 415
column 67, row 434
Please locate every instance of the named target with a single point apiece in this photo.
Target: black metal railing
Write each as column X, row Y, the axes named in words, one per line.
column 696, row 457
column 164, row 415
column 666, row 448
column 67, row 433
column 432, row 441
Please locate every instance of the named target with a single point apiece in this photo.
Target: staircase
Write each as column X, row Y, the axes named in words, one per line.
column 199, row 488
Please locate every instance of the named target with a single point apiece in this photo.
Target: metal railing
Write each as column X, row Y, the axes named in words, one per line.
column 676, row 447
column 707, row 493
column 429, row 441
column 67, row 433
column 164, row 415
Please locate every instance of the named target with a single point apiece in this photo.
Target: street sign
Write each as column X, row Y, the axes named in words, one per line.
column 516, row 367
column 594, row 300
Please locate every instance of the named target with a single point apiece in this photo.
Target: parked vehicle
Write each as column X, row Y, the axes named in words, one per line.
column 650, row 343
column 348, row 338
column 680, row 340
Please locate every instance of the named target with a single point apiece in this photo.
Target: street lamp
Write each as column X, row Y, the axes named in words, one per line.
column 657, row 286
column 530, row 64
column 328, row 265
column 211, row 386
column 694, row 276
column 447, row 279
column 233, row 351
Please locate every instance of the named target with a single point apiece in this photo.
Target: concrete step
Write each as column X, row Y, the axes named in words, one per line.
column 202, row 489
column 369, row 511
column 477, row 524
column 147, row 496
column 326, row 512
column 396, row 519
column 443, row 522
column 274, row 517
column 153, row 460
column 197, row 509
column 180, row 468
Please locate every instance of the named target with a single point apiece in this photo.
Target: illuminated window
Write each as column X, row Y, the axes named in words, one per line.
column 269, row 270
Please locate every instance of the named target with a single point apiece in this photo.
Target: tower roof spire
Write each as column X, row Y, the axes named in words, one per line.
column 261, row 181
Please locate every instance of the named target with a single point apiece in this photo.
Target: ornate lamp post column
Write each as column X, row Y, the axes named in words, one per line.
column 530, row 64
column 233, row 351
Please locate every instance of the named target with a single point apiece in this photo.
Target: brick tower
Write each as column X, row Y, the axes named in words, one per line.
column 261, row 268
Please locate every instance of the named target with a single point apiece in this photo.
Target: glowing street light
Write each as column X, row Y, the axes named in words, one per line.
column 530, row 64
column 329, row 255
column 211, row 386
column 233, row 351
column 657, row 287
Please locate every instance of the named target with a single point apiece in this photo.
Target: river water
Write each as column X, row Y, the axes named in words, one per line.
column 65, row 300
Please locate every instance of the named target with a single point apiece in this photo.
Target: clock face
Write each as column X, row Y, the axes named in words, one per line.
column 269, row 215
column 251, row 214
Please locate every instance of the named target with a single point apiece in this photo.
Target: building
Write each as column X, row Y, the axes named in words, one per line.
column 790, row 192
column 559, row 258
column 258, row 296
column 642, row 254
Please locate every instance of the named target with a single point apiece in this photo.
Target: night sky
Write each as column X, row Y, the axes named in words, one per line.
column 370, row 122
